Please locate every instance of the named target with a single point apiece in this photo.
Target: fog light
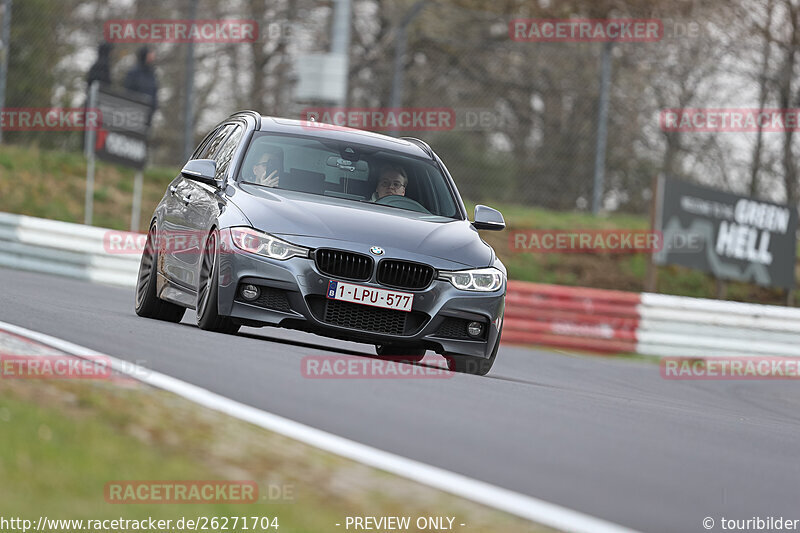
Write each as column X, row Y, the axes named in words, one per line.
column 250, row 292
column 475, row 329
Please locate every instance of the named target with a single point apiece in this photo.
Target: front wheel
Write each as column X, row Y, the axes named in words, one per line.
column 208, row 292
column 147, row 304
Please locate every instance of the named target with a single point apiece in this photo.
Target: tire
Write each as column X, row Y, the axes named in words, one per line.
column 146, row 303
column 400, row 354
column 468, row 364
column 208, row 291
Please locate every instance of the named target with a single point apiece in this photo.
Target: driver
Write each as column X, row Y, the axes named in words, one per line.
column 392, row 179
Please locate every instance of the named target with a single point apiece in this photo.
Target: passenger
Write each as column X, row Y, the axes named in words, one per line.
column 267, row 171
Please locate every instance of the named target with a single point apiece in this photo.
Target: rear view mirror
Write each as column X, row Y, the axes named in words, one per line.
column 346, row 164
column 202, row 170
column 488, row 218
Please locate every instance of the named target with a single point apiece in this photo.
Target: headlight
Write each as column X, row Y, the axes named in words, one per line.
column 482, row 279
column 256, row 242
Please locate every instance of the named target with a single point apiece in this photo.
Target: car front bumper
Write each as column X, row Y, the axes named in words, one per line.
column 293, row 295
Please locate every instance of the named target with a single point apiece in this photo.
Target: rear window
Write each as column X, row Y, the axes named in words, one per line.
column 348, row 171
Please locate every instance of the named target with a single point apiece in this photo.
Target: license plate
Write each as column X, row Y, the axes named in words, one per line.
column 359, row 294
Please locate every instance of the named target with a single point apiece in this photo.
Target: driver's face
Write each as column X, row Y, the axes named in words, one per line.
column 391, row 183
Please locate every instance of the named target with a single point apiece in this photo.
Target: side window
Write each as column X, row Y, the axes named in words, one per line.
column 211, row 148
column 225, row 154
column 203, row 144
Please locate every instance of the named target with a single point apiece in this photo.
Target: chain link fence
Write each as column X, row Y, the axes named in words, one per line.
column 524, row 125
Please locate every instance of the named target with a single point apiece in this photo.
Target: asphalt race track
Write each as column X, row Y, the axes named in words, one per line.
column 603, row 436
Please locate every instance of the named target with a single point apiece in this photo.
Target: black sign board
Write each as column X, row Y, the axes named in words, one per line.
column 122, row 139
column 733, row 237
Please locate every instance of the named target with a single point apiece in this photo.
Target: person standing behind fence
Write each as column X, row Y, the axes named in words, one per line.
column 101, row 69
column 142, row 78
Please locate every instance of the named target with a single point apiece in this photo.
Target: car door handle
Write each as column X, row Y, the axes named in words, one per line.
column 186, row 199
column 172, row 190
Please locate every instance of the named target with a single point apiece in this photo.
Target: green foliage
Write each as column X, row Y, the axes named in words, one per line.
column 36, row 48
column 52, row 184
column 480, row 174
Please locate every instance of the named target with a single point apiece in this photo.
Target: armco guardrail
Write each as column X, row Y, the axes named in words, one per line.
column 695, row 327
column 63, row 249
column 550, row 315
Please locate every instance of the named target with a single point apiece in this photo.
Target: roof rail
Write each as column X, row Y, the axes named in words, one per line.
column 255, row 114
column 422, row 144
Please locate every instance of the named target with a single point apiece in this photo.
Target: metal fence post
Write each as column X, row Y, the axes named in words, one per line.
column 188, row 109
column 602, row 128
column 400, row 44
column 6, row 38
column 90, row 138
column 137, row 200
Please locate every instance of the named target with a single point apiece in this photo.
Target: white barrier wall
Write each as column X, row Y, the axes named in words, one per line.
column 696, row 327
column 64, row 249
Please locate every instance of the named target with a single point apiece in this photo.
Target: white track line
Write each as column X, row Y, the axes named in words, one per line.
column 511, row 502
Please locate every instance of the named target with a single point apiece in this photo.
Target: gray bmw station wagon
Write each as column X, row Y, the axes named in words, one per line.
column 336, row 231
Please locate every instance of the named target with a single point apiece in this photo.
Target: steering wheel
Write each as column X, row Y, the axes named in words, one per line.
column 403, row 202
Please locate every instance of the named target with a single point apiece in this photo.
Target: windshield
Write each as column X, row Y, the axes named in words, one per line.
column 352, row 172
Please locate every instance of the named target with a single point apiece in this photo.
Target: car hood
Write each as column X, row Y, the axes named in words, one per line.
column 317, row 221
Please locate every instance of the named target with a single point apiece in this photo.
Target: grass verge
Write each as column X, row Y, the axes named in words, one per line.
column 63, row 441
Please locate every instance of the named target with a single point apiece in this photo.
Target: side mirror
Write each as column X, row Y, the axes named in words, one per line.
column 202, row 170
column 488, row 218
